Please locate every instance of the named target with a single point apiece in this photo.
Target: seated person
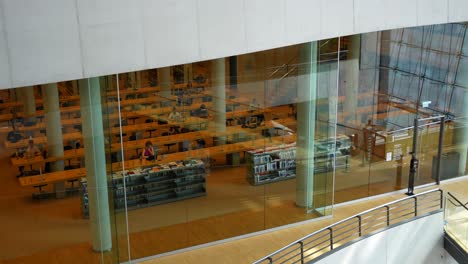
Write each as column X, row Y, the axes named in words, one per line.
column 31, row 152
column 254, row 105
column 32, row 149
column 201, row 112
column 149, row 153
column 201, row 143
column 174, row 115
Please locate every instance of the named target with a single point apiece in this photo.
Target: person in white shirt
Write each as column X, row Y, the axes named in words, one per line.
column 174, row 115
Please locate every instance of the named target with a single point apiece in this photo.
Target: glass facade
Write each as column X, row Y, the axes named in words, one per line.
column 130, row 165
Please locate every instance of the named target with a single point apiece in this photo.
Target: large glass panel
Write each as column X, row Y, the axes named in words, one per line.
column 401, row 75
column 44, row 175
column 207, row 151
column 456, row 218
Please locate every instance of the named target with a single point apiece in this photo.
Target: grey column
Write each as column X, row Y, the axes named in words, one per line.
column 138, row 79
column 188, row 76
column 27, row 96
column 53, row 121
column 219, row 94
column 95, row 160
column 233, row 72
column 351, row 75
column 164, row 75
column 75, row 87
column 307, row 89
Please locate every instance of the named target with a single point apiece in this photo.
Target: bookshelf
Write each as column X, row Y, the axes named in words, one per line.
column 149, row 186
column 271, row 164
column 278, row 163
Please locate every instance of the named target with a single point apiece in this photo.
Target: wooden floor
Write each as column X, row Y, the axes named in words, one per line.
column 247, row 250
column 53, row 231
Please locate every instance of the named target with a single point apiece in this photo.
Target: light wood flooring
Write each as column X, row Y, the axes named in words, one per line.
column 53, row 230
column 249, row 249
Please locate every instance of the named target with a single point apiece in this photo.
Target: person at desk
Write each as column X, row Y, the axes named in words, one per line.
column 149, row 152
column 201, row 112
column 174, row 115
column 32, row 150
column 254, row 105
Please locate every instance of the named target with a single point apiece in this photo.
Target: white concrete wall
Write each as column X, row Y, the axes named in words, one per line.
column 45, row 41
column 417, row 242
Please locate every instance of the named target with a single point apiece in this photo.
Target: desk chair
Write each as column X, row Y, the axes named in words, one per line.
column 174, row 129
column 133, row 118
column 150, row 131
column 229, row 121
column 39, row 194
column 169, row 145
column 252, row 123
column 72, row 188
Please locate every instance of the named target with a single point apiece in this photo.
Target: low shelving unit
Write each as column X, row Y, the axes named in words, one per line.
column 158, row 184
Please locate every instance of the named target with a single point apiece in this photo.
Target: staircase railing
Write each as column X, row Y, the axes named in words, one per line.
column 352, row 228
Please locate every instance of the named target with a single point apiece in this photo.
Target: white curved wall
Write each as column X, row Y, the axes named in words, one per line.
column 55, row 40
column 419, row 241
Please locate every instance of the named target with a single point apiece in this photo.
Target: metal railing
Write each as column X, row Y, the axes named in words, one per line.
column 352, row 228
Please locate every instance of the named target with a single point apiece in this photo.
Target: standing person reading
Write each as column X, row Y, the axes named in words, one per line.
column 149, row 152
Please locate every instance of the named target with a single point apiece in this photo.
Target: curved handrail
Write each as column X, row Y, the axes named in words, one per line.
column 458, row 201
column 359, row 217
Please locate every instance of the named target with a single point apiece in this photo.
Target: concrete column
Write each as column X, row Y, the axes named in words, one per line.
column 233, row 72
column 188, row 75
column 75, row 87
column 307, row 89
column 164, row 75
column 95, row 160
column 219, row 94
column 137, row 80
column 132, row 80
column 27, row 97
column 351, row 75
column 53, row 121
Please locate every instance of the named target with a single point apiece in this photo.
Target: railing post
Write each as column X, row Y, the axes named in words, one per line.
column 331, row 238
column 441, row 199
column 270, row 259
column 388, row 214
column 302, row 251
column 360, row 225
column 415, row 206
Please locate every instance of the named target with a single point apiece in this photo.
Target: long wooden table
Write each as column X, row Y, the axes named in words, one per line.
column 52, row 177
column 206, row 152
column 41, row 140
column 233, row 131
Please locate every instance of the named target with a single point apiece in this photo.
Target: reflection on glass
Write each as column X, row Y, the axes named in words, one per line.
column 456, row 217
column 211, row 150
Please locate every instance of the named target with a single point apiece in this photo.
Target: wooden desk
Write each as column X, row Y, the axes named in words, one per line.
column 19, row 161
column 41, row 140
column 52, row 177
column 62, row 99
column 155, row 89
column 206, row 152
